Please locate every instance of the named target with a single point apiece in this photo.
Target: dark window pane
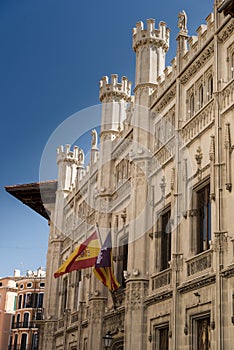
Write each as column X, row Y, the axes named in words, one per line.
column 23, row 342
column 203, row 219
column 203, row 334
column 163, row 338
column 166, row 240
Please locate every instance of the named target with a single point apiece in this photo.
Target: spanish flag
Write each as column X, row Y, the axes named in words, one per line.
column 85, row 255
column 104, row 269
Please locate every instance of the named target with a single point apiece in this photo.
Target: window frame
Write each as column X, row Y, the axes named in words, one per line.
column 122, row 259
column 160, row 241
column 203, row 229
column 195, row 334
column 157, row 335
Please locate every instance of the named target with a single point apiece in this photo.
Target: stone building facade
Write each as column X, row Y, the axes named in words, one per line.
column 23, row 333
column 162, row 182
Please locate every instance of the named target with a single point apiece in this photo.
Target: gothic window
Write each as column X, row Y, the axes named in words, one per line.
column 64, row 295
column 201, row 336
column 162, row 337
column 200, row 96
column 23, row 341
column 122, row 261
column 232, row 65
column 26, row 320
column 77, row 278
column 210, row 88
column 158, row 135
column 191, row 105
column 165, row 239
column 203, row 219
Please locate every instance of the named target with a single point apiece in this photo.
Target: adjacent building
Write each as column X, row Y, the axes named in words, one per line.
column 162, row 182
column 28, row 311
column 8, row 295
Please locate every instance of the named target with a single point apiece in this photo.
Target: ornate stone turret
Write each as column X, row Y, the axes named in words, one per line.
column 114, row 90
column 150, row 45
column 67, row 162
column 114, row 95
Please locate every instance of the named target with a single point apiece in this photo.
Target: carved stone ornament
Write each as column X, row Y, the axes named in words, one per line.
column 96, row 312
column 227, row 32
column 115, row 322
column 199, row 63
column 135, row 295
column 166, row 99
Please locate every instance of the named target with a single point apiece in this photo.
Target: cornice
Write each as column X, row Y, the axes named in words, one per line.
column 196, row 283
column 158, row 298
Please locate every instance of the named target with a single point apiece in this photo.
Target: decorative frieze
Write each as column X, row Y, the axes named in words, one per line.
column 197, row 283
column 166, row 99
column 158, row 298
column 226, row 32
column 198, row 64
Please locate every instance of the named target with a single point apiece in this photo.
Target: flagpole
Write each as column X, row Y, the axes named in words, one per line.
column 112, row 293
column 99, row 236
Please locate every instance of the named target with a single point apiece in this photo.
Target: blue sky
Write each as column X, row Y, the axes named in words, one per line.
column 53, row 54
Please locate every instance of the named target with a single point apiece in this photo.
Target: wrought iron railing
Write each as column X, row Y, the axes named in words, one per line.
column 24, row 325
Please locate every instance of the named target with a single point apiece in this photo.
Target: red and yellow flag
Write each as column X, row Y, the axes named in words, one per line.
column 85, row 255
column 104, row 269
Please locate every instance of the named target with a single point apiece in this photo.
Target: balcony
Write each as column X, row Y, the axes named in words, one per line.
column 199, row 263
column 26, row 347
column 26, row 325
column 162, row 279
column 202, row 120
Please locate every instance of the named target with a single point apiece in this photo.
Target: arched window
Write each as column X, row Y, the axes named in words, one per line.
column 18, row 321
column 232, row 66
column 23, row 341
column 210, row 87
column 15, row 341
column 34, row 341
column 26, row 320
column 20, row 301
column 191, row 105
column 200, row 96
